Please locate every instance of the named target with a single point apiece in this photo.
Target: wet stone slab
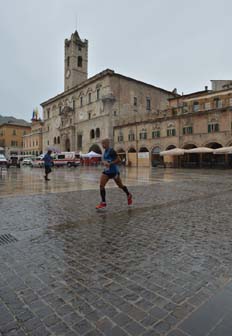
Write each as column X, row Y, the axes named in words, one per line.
column 161, row 267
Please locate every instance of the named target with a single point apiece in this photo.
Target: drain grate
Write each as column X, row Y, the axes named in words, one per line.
column 7, row 239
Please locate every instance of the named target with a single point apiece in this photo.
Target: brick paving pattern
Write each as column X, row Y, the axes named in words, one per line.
column 161, row 267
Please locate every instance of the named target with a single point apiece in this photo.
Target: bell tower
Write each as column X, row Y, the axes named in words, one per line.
column 75, row 61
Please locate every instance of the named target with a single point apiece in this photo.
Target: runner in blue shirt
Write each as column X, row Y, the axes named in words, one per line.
column 111, row 171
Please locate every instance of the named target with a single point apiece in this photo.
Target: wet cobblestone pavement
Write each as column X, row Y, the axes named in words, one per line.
column 161, row 267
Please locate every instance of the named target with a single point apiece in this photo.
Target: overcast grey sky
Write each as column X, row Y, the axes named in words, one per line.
column 181, row 43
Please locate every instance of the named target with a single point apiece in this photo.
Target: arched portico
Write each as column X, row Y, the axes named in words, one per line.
column 132, row 157
column 190, row 160
column 170, row 147
column 213, row 145
column 143, row 157
column 122, row 155
column 95, row 148
column 156, row 159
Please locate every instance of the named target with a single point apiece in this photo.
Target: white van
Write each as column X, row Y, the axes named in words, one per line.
column 69, row 159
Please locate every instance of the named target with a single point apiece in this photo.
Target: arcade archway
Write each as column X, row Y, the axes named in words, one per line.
column 156, row 159
column 143, row 157
column 214, row 161
column 190, row 160
column 95, row 148
column 132, row 157
column 122, row 155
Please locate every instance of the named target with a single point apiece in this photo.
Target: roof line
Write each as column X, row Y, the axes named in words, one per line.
column 15, row 124
column 101, row 74
column 147, row 84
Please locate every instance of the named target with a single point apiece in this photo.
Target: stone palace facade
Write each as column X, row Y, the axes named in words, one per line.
column 90, row 108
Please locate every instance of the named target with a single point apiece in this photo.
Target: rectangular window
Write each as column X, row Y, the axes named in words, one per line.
column 74, row 104
column 14, row 143
column 213, row 128
column 81, row 101
column 185, row 108
column 155, row 134
column 60, row 109
column 120, row 138
column 14, row 132
column 188, row 130
column 131, row 137
column 98, row 94
column 217, row 103
column 171, row 132
column 143, row 136
column 90, row 97
column 230, row 102
column 148, row 106
column 196, row 107
column 135, row 101
column 48, row 113
column 174, row 112
column 207, row 106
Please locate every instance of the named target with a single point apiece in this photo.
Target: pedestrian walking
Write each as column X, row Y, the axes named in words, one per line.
column 47, row 164
column 111, row 171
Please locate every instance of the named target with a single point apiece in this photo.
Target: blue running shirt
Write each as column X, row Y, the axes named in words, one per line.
column 109, row 156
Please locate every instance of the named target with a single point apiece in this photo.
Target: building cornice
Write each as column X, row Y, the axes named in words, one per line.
column 180, row 116
column 100, row 75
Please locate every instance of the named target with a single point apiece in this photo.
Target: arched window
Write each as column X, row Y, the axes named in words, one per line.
column 54, row 141
column 92, row 134
column 98, row 133
column 58, row 140
column 79, row 61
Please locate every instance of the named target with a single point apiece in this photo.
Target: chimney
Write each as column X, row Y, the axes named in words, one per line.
column 206, row 88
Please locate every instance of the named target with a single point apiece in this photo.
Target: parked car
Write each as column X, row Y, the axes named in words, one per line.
column 37, row 162
column 27, row 162
column 13, row 161
column 3, row 161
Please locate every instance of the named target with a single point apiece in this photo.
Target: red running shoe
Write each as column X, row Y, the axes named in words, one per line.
column 129, row 199
column 101, row 205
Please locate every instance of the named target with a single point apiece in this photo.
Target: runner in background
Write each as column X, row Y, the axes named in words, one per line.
column 47, row 164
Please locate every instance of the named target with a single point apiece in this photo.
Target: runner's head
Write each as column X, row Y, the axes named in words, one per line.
column 105, row 143
column 49, row 151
